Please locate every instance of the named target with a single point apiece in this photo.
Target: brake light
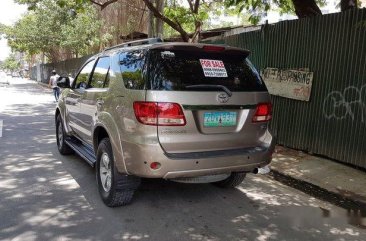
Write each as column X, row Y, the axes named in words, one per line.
column 145, row 112
column 211, row 48
column 263, row 112
column 159, row 113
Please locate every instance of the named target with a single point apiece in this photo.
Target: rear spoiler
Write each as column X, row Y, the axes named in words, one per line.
column 202, row 48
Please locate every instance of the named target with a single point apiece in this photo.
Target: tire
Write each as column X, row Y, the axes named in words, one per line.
column 62, row 147
column 232, row 181
column 115, row 189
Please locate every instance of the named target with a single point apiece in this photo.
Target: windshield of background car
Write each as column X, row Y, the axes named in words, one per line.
column 178, row 69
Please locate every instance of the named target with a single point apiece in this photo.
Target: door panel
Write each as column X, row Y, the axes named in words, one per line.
column 92, row 101
column 72, row 108
column 73, row 100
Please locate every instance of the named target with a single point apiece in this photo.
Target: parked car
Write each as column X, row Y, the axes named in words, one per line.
column 193, row 113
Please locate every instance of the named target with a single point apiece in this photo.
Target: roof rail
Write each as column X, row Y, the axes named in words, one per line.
column 136, row 43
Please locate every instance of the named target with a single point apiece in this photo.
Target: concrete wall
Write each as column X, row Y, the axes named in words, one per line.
column 42, row 73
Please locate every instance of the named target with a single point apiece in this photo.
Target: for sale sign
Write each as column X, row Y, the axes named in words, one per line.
column 213, row 68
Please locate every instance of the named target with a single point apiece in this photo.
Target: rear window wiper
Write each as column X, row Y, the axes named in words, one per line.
column 221, row 87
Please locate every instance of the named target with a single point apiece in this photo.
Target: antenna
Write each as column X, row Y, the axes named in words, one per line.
column 136, row 43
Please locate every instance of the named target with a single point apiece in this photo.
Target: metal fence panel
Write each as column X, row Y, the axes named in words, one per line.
column 332, row 46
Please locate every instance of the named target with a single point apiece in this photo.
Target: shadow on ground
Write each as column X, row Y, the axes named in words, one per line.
column 46, row 196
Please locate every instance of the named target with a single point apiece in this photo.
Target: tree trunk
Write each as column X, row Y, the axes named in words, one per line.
column 196, row 35
column 150, row 25
column 348, row 4
column 159, row 22
column 306, row 8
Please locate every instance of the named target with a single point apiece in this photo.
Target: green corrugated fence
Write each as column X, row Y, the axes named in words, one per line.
column 333, row 122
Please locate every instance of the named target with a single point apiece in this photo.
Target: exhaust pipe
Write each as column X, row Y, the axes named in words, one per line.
column 262, row 170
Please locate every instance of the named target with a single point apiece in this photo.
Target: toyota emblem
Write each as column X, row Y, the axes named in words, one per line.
column 223, row 98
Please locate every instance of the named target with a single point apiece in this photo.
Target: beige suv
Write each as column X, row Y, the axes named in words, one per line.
column 191, row 113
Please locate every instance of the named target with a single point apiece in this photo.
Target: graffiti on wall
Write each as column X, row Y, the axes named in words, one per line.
column 351, row 103
column 289, row 83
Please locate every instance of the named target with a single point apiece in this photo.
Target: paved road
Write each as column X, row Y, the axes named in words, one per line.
column 46, row 196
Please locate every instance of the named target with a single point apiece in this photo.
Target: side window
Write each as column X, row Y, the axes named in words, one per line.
column 100, row 73
column 83, row 77
column 132, row 68
column 106, row 84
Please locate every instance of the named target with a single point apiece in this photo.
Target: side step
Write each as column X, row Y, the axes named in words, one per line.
column 82, row 150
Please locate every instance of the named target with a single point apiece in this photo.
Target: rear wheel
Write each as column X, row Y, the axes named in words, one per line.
column 62, row 147
column 115, row 189
column 232, row 181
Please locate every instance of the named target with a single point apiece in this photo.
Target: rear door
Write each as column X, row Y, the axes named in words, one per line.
column 218, row 91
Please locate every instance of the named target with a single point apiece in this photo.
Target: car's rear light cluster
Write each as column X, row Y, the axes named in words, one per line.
column 263, row 112
column 159, row 113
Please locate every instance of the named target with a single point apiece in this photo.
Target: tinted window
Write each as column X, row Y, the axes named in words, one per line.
column 132, row 68
column 177, row 70
column 83, row 78
column 100, row 73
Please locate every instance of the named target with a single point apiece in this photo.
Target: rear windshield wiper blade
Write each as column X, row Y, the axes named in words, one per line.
column 221, row 87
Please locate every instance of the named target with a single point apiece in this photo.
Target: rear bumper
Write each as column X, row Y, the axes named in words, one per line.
column 139, row 157
column 213, row 171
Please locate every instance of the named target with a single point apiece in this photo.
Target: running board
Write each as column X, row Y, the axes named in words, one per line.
column 82, row 150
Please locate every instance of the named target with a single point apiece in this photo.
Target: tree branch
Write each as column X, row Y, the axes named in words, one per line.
column 172, row 24
column 190, row 5
column 348, row 4
column 196, row 6
column 306, row 8
column 103, row 5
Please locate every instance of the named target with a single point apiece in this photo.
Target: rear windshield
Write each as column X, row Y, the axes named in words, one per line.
column 182, row 70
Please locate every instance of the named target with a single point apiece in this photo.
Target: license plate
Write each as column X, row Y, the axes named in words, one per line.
column 215, row 119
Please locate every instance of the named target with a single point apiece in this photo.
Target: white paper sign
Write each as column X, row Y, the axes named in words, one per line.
column 289, row 83
column 213, row 68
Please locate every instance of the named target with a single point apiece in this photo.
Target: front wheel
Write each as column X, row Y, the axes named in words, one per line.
column 232, row 181
column 62, row 147
column 114, row 188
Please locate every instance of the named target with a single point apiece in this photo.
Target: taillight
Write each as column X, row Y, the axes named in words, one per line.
column 159, row 113
column 263, row 112
column 170, row 114
column 146, row 112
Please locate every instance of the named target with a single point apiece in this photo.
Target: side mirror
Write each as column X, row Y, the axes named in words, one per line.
column 63, row 82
